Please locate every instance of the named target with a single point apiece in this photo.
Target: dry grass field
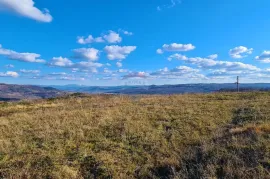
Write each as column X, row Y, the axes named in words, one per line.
column 219, row 135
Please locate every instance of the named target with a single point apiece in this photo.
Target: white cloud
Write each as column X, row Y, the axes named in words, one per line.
column 177, row 56
column 60, row 76
column 178, row 72
column 57, row 73
column 9, row 66
column 226, row 73
column 264, row 57
column 159, row 51
column 80, row 66
column 172, row 4
column 136, row 75
column 207, row 63
column 60, row 62
column 26, row 8
column 89, row 39
column 86, row 53
column 99, row 40
column 125, row 32
column 119, row 64
column 26, row 57
column 30, row 71
column 112, row 37
column 176, row 47
column 108, row 64
column 9, row 74
column 71, row 78
column 118, row 52
column 240, row 52
column 106, row 70
column 87, row 65
column 213, row 57
column 128, row 33
column 122, row 70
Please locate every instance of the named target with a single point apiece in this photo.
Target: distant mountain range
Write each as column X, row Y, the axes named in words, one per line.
column 164, row 89
column 10, row 92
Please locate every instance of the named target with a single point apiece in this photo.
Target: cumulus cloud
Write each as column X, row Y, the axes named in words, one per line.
column 112, row 37
column 213, row 57
column 106, row 70
column 122, row 70
column 26, row 57
column 228, row 73
column 109, row 37
column 264, row 57
column 66, row 63
column 118, row 52
column 178, row 72
column 89, row 39
column 240, row 52
column 176, row 47
column 12, row 74
column 207, row 63
column 136, row 75
column 60, row 62
column 87, row 66
column 119, row 64
column 29, row 71
column 26, row 8
column 177, row 56
column 91, row 54
column 159, row 51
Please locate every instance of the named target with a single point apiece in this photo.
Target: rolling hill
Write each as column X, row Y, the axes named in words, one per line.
column 10, row 92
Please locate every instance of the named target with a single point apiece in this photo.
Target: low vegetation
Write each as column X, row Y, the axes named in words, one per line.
column 219, row 135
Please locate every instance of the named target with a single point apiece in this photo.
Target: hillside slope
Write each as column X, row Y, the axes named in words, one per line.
column 223, row 135
column 10, row 92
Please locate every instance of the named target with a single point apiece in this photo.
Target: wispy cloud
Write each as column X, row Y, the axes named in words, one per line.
column 172, row 4
column 29, row 71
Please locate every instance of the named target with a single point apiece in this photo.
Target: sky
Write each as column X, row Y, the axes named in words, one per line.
column 142, row 42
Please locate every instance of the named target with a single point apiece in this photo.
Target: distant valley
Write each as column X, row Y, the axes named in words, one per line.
column 10, row 92
column 164, row 89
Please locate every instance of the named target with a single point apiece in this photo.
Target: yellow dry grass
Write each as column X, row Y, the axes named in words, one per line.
column 115, row 136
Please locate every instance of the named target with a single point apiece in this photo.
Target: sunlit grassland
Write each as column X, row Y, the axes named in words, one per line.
column 118, row 136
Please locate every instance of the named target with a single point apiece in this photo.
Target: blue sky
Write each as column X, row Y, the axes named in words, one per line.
column 94, row 42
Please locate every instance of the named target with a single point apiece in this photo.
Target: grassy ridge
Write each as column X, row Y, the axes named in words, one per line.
column 105, row 136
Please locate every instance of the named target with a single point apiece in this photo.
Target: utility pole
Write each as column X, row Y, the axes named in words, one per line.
column 237, row 84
